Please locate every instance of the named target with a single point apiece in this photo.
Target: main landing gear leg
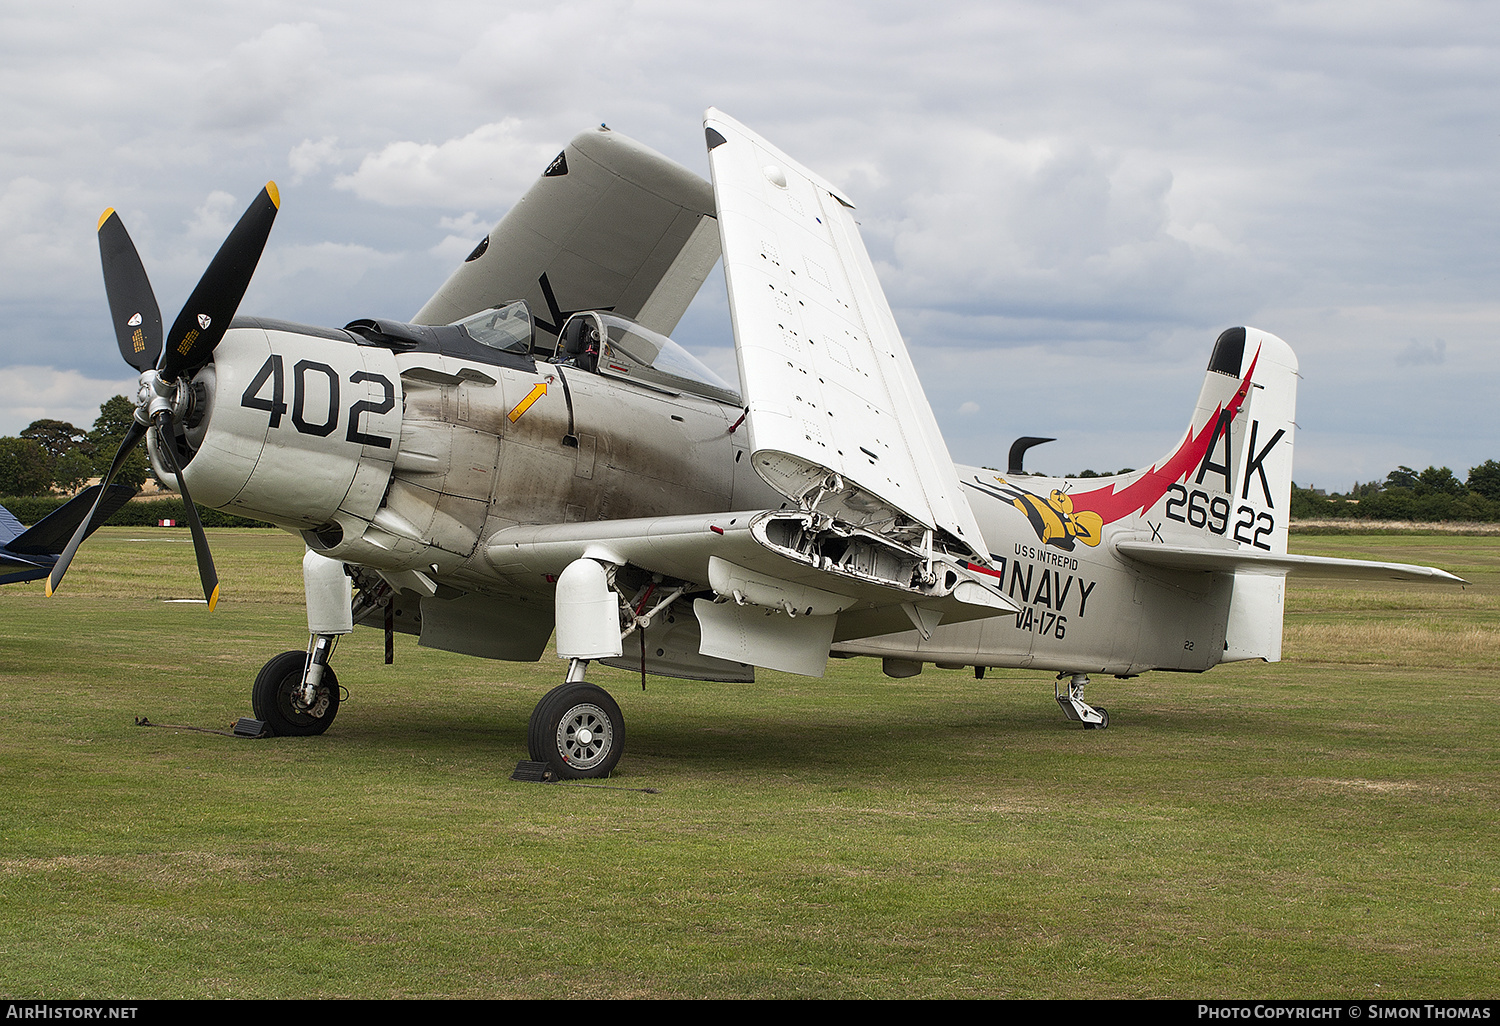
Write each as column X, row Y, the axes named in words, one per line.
column 1073, row 705
column 577, row 728
column 297, row 693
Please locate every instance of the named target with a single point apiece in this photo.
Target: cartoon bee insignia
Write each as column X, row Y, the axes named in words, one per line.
column 1054, row 519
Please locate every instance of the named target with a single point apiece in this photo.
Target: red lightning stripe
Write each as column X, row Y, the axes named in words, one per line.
column 1145, row 492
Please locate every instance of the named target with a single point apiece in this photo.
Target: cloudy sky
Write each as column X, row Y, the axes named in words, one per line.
column 1067, row 201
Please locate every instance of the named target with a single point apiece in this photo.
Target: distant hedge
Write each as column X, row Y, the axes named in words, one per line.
column 1396, row 504
column 30, row 508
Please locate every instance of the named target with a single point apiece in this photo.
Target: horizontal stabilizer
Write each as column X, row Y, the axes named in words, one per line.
column 1182, row 557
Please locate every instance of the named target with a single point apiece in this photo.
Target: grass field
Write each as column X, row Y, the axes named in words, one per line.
column 1322, row 827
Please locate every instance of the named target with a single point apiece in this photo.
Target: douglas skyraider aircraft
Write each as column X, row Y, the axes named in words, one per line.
column 533, row 454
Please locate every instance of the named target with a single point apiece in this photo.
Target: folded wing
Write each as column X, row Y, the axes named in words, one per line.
column 610, row 225
column 838, row 420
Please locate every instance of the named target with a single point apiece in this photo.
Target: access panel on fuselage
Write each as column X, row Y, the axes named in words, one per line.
column 589, row 448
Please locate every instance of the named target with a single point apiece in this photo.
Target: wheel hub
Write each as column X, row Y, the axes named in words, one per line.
column 317, row 708
column 584, row 736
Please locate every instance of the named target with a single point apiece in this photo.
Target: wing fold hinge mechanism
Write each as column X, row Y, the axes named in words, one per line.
column 841, row 552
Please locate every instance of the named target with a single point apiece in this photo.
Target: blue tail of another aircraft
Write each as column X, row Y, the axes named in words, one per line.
column 28, row 554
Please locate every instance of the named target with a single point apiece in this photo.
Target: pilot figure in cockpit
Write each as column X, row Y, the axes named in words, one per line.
column 580, row 343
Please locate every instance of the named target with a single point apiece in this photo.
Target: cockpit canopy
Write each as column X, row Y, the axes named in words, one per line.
column 620, row 348
column 595, row 341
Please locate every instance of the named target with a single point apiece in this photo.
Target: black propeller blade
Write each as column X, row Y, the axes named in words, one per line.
column 206, row 572
column 132, row 304
column 189, row 345
column 134, row 435
column 206, row 315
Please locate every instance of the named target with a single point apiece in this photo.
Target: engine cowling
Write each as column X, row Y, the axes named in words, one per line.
column 290, row 425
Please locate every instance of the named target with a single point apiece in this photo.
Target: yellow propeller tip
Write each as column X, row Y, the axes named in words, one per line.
column 49, row 587
column 104, row 217
column 274, row 193
column 213, row 599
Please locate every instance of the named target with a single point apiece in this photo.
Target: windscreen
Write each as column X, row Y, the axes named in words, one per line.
column 506, row 327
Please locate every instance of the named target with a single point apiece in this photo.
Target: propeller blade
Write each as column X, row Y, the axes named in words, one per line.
column 211, row 307
column 206, row 572
column 130, row 441
column 132, row 304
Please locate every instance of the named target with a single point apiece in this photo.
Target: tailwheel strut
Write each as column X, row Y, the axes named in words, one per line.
column 1073, row 705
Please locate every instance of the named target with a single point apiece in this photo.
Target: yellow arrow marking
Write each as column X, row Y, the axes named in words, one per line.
column 537, row 391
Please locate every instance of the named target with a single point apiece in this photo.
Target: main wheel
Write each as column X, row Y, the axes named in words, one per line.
column 277, row 700
column 578, row 731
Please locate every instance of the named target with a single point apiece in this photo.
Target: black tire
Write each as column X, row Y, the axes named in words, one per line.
column 272, row 697
column 1104, row 723
column 535, row 732
column 578, row 731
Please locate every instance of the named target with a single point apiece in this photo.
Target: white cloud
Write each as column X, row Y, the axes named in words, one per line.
column 213, row 218
column 1418, row 353
column 263, row 80
column 29, row 393
column 46, row 233
column 320, row 266
column 487, row 168
column 466, row 231
column 308, row 158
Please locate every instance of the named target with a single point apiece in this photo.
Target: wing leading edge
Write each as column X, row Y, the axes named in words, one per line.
column 838, row 419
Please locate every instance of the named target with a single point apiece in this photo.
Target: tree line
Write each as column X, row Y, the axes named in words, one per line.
column 55, row 456
column 1433, row 494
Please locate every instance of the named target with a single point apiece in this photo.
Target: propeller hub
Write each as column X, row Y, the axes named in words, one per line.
column 162, row 398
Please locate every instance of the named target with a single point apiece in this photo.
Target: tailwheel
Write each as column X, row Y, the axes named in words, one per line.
column 1074, row 707
column 281, row 701
column 577, row 730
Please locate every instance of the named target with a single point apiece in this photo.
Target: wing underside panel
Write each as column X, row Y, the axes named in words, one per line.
column 833, row 396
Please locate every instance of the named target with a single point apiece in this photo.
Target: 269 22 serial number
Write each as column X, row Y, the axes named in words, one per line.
column 1199, row 509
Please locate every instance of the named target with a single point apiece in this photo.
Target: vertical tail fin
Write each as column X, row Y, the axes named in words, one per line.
column 1229, row 481
column 1260, row 469
column 10, row 527
column 1228, row 484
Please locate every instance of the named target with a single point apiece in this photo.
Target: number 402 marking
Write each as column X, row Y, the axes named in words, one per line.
column 271, row 371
